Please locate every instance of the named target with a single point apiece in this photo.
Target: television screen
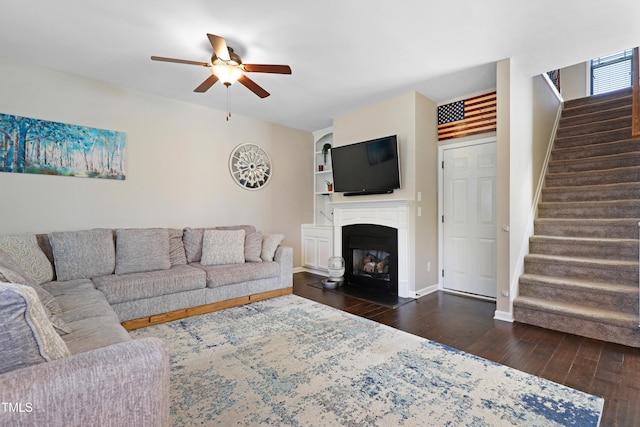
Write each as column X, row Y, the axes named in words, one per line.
column 368, row 167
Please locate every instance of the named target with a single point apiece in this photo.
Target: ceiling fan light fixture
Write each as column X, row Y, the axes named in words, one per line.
column 228, row 73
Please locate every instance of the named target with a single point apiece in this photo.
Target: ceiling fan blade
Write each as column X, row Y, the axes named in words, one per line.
column 267, row 68
column 180, row 61
column 205, row 85
column 253, row 86
column 219, row 47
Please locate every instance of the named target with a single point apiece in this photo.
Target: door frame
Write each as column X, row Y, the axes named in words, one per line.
column 441, row 149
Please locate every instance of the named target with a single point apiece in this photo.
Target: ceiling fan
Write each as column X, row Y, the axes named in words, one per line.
column 227, row 66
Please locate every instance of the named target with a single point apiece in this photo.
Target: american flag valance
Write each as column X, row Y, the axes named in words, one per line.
column 467, row 117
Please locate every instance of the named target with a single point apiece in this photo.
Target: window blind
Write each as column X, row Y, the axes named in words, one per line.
column 612, row 72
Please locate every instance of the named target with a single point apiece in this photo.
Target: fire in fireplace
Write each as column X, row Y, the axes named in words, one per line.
column 371, row 263
column 371, row 257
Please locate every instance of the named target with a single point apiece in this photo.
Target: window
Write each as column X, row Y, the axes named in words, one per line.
column 612, row 72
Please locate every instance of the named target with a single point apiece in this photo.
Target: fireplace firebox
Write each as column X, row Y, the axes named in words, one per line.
column 371, row 257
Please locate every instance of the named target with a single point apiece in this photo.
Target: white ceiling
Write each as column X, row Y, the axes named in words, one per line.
column 345, row 54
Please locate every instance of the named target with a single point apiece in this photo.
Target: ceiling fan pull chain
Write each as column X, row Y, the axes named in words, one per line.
column 228, row 112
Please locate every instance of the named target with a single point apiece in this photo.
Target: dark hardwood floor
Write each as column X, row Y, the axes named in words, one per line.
column 608, row 370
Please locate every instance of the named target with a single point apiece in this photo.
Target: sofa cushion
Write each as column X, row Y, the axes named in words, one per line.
column 24, row 250
column 11, row 272
column 83, row 254
column 221, row 247
column 192, row 239
column 222, row 275
column 95, row 332
column 176, row 247
column 26, row 337
column 142, row 249
column 253, row 247
column 129, row 287
column 270, row 243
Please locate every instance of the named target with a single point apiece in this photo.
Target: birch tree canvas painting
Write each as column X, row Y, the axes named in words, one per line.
column 42, row 147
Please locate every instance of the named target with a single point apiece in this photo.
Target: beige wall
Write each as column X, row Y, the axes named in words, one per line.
column 426, row 181
column 177, row 163
column 574, row 81
column 527, row 111
column 411, row 117
column 392, row 117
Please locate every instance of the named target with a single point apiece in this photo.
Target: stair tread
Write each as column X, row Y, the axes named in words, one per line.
column 570, row 127
column 608, row 221
column 585, row 118
column 582, row 240
column 577, row 310
column 602, row 132
column 602, row 98
column 601, row 158
column 622, row 169
column 584, row 260
column 562, row 150
column 594, row 187
column 620, row 202
column 613, row 288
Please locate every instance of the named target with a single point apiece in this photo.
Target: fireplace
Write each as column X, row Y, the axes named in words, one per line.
column 371, row 257
column 390, row 214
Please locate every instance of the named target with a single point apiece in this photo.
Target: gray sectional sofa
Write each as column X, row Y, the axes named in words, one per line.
column 65, row 357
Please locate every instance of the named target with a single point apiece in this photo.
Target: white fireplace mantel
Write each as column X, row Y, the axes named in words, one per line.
column 390, row 213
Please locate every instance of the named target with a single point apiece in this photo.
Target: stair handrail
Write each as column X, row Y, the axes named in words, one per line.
column 635, row 122
column 635, row 133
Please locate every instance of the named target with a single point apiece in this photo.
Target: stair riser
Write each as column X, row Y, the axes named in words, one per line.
column 596, row 116
column 624, row 303
column 599, row 126
column 558, row 268
column 588, row 211
column 615, row 176
column 596, row 138
column 585, row 151
column 618, row 231
column 595, row 163
column 600, row 250
column 576, row 194
column 576, row 326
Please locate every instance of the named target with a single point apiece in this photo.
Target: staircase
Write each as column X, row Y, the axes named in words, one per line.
column 581, row 274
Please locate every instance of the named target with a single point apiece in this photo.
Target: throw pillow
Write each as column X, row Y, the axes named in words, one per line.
column 221, row 247
column 192, row 240
column 270, row 243
column 253, row 247
column 24, row 250
column 83, row 254
column 11, row 272
column 142, row 249
column 26, row 337
column 176, row 247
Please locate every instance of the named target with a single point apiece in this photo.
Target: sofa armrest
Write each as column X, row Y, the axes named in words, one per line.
column 284, row 257
column 122, row 384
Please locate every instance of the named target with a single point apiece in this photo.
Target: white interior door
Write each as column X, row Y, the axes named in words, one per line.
column 469, row 222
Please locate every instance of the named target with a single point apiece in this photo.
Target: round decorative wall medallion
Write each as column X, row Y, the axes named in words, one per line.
column 250, row 166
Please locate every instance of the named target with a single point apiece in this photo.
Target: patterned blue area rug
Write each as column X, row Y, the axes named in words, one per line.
column 291, row 361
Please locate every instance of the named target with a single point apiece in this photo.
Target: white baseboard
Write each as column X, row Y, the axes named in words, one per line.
column 424, row 291
column 310, row 270
column 505, row 316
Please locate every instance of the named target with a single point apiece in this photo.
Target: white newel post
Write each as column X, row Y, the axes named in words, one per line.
column 389, row 213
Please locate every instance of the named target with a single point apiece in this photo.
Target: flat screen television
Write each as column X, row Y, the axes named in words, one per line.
column 368, row 167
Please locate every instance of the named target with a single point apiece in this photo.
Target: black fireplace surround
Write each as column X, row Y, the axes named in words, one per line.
column 371, row 257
